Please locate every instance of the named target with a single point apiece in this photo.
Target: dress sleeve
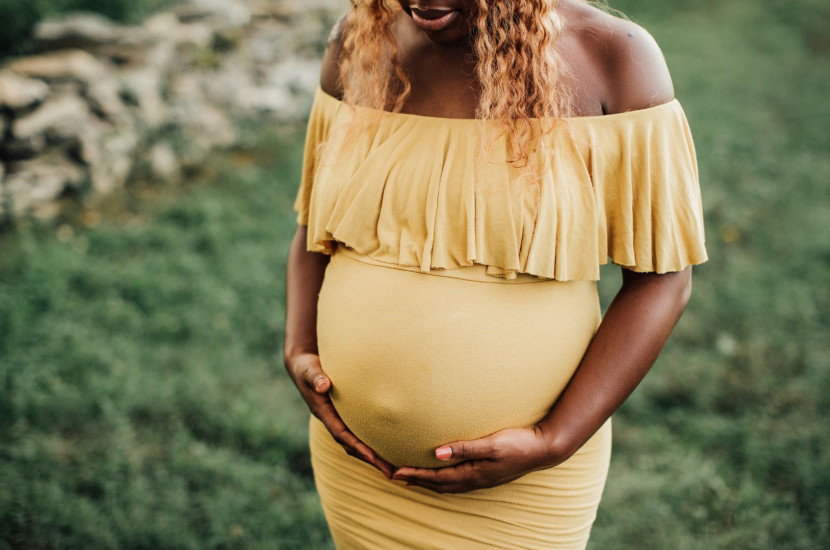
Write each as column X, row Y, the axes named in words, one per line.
column 647, row 183
column 319, row 122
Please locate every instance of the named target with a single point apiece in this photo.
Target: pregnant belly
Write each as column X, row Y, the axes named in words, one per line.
column 418, row 360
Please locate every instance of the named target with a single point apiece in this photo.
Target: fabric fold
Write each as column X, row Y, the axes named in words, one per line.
column 413, row 191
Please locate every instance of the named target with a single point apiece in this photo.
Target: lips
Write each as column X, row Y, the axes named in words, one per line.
column 434, row 19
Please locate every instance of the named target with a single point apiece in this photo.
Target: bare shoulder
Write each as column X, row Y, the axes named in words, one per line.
column 631, row 66
column 330, row 72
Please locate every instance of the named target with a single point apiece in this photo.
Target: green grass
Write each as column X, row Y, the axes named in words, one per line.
column 142, row 398
column 724, row 445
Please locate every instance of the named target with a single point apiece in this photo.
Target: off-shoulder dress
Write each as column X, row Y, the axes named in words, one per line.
column 459, row 300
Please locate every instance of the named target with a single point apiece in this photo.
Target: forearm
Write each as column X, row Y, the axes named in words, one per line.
column 303, row 279
column 629, row 339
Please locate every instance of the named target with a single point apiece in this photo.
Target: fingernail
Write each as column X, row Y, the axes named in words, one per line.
column 320, row 382
column 443, row 453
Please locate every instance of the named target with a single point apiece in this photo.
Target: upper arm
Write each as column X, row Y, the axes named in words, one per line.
column 330, row 73
column 636, row 71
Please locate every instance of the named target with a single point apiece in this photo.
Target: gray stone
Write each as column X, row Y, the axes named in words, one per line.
column 258, row 99
column 105, row 99
column 221, row 13
column 143, row 88
column 59, row 118
column 15, row 149
column 75, row 65
column 33, row 182
column 163, row 163
column 90, row 32
column 18, row 92
column 300, row 76
column 87, row 148
column 221, row 87
column 161, row 30
column 75, row 117
column 207, row 126
column 162, row 25
column 197, row 34
column 294, row 10
column 76, row 30
column 116, row 154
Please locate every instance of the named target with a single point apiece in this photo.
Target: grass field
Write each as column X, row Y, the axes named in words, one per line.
column 143, row 402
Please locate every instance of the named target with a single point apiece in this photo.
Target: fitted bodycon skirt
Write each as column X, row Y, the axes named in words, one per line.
column 417, row 360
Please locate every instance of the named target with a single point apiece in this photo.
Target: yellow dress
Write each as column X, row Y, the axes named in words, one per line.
column 460, row 299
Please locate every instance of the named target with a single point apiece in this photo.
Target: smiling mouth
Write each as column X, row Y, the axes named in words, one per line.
column 433, row 19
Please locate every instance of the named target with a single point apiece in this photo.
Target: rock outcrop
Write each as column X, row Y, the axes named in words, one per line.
column 97, row 98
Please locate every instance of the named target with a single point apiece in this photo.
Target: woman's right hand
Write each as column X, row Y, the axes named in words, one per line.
column 307, row 373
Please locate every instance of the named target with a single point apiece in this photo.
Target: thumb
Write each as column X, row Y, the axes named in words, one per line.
column 317, row 380
column 466, row 450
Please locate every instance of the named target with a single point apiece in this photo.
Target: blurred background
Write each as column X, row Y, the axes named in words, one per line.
column 149, row 158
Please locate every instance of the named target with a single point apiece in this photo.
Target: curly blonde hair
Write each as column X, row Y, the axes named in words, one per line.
column 517, row 67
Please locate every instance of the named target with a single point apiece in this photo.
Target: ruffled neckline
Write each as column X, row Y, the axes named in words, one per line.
column 413, row 192
column 647, row 112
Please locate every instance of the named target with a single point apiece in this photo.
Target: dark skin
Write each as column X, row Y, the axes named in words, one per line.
column 615, row 67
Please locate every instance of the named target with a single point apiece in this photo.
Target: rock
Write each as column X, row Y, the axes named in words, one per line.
column 294, row 10
column 208, row 126
column 87, row 148
column 77, row 116
column 16, row 149
column 116, row 154
column 142, row 88
column 75, row 65
column 105, row 99
column 39, row 181
column 161, row 30
column 161, row 25
column 90, row 32
column 163, row 163
column 59, row 119
column 221, row 13
column 257, row 99
column 300, row 76
column 18, row 92
column 76, row 30
column 198, row 34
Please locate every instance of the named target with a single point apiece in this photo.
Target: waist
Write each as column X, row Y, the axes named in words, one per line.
column 475, row 272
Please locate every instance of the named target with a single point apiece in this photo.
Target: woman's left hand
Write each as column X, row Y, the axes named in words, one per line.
column 493, row 460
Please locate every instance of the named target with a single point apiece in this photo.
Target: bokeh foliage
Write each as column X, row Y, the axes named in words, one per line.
column 142, row 402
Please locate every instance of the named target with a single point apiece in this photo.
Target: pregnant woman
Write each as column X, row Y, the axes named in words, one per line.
column 468, row 166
